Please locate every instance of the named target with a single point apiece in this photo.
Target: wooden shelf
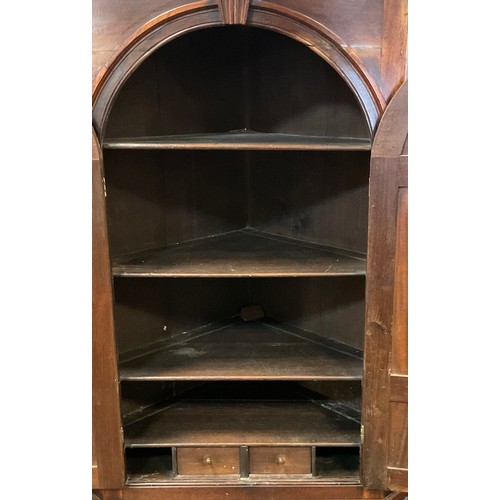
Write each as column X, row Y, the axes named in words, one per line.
column 241, row 350
column 241, row 140
column 244, row 422
column 244, row 253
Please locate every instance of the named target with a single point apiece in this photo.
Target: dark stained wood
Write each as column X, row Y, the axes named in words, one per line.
column 247, row 140
column 290, row 93
column 106, row 427
column 338, row 463
column 243, row 351
column 358, row 24
column 333, row 308
column 233, row 11
column 240, row 254
column 280, row 460
column 254, row 492
column 208, row 461
column 135, row 204
column 381, row 290
column 357, row 38
column 151, row 310
column 237, row 422
column 162, row 198
column 150, row 465
column 394, row 46
column 318, row 197
column 155, row 310
column 158, row 198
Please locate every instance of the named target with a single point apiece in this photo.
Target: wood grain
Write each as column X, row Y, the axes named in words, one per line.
column 274, row 17
column 398, row 442
column 399, row 358
column 399, row 388
column 106, row 426
column 254, row 492
column 280, row 460
column 381, row 279
column 313, row 196
column 398, row 480
column 233, row 11
column 208, row 461
column 394, row 46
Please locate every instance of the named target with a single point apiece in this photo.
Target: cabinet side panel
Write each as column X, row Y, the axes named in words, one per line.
column 105, row 398
column 379, row 309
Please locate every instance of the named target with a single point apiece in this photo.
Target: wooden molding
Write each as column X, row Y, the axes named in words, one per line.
column 233, row 11
column 290, row 23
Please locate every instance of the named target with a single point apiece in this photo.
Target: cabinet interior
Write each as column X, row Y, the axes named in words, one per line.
column 236, row 166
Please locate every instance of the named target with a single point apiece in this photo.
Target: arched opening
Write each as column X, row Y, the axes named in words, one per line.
column 221, row 79
column 236, row 165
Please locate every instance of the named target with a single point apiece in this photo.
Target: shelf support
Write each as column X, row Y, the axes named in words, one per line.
column 233, row 11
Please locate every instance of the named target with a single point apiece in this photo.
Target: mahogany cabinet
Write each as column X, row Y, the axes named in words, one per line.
column 249, row 249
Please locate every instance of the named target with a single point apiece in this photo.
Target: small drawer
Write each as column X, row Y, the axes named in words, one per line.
column 280, row 460
column 208, row 461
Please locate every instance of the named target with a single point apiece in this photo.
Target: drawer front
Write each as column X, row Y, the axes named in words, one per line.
column 280, row 460
column 208, row 461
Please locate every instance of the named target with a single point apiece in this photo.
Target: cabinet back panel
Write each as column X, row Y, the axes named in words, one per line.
column 294, row 91
column 206, row 193
column 136, row 110
column 156, row 198
column 152, row 309
column 149, row 309
column 331, row 308
column 317, row 197
column 135, row 200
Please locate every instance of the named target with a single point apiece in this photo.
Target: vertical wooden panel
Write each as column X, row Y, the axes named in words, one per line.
column 106, row 427
column 385, row 395
column 394, row 46
column 398, row 443
column 399, row 361
column 379, row 308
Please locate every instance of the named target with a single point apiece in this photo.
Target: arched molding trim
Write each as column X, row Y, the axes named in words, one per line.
column 261, row 14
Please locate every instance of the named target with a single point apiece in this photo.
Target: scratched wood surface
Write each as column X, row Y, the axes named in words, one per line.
column 242, row 253
column 106, row 432
column 384, row 407
column 360, row 25
column 193, row 422
column 243, row 351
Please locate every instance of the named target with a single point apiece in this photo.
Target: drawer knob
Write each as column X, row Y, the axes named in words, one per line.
column 207, row 460
column 281, row 460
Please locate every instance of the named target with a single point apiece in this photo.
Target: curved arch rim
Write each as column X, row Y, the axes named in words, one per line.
column 203, row 14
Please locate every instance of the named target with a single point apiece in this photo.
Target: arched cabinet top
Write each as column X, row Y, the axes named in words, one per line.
column 203, row 14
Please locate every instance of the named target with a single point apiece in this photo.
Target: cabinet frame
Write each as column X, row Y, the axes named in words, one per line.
column 108, row 468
